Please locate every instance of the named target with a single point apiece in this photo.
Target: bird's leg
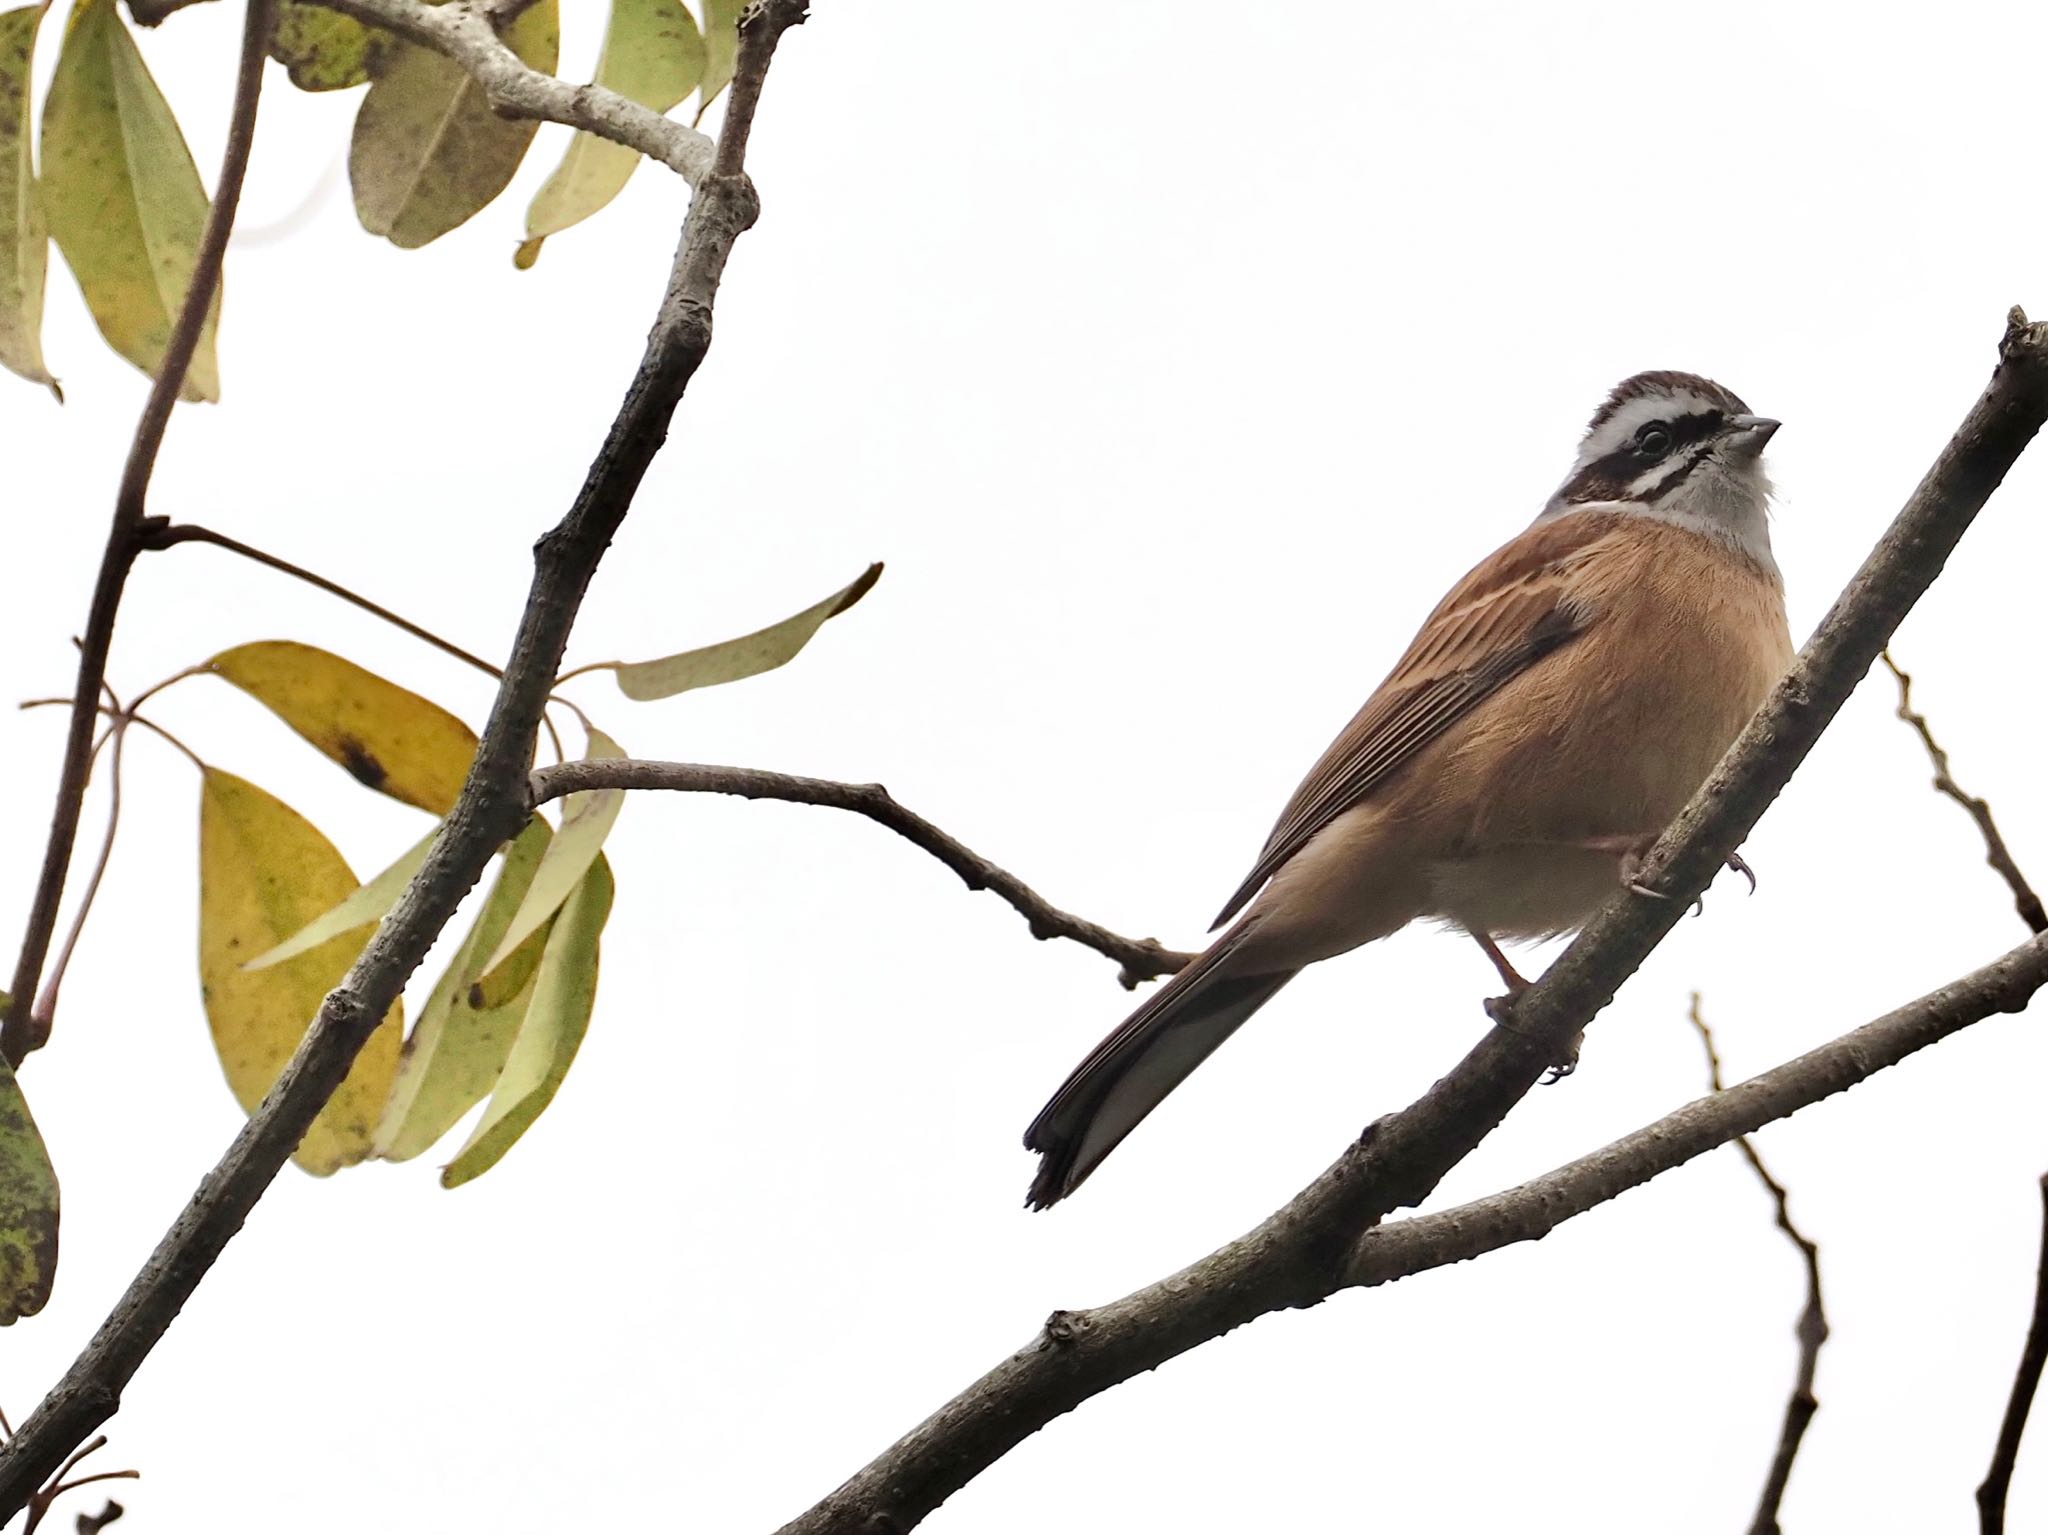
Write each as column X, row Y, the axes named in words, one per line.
column 1628, row 853
column 1502, row 1009
column 1515, row 984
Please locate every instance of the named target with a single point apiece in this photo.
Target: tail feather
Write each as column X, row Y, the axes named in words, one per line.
column 1127, row 1076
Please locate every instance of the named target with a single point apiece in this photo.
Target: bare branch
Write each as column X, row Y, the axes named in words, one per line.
column 2026, row 1379
column 1141, row 958
column 19, row 1033
column 490, row 809
column 1299, row 1255
column 1996, row 853
column 1812, row 1330
column 515, row 89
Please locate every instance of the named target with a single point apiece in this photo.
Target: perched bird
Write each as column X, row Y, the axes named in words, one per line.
column 1555, row 712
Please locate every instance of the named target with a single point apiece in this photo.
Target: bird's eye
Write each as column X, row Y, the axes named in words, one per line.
column 1654, row 440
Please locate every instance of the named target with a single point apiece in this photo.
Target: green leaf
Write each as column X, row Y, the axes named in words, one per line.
column 458, row 1048
column 123, row 198
column 28, row 1208
column 747, row 656
column 388, row 737
column 324, row 50
column 428, row 151
column 24, row 231
column 564, row 989
column 363, row 905
column 265, row 872
column 586, row 821
column 721, row 49
column 653, row 55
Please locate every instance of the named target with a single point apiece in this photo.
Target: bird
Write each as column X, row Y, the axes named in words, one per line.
column 1553, row 714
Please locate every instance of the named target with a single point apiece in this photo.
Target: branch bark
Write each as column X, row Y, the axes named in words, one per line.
column 516, row 89
column 1141, row 958
column 1303, row 1252
column 491, row 808
column 2026, row 1380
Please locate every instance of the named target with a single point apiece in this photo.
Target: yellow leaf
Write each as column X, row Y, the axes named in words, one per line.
column 721, row 49
column 122, row 195
column 24, row 232
column 324, row 50
column 653, row 55
column 564, row 989
column 458, row 1048
column 28, row 1208
column 747, row 656
column 363, row 905
column 428, row 151
column 387, row 737
column 586, row 821
column 264, row 872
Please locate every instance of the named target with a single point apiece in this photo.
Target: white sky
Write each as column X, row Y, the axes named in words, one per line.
column 1175, row 357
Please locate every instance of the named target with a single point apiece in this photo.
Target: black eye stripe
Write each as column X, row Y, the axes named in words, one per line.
column 1609, row 477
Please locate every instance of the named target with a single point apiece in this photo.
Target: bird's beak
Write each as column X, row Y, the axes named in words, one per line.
column 1746, row 435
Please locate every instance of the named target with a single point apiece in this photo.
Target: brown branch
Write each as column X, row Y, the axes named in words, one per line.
column 161, row 533
column 2026, row 1379
column 1299, row 1255
column 1812, row 1330
column 18, row 1034
column 490, row 809
column 2024, row 900
column 1141, row 958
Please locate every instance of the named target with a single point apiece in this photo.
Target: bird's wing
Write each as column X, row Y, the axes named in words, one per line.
column 1511, row 611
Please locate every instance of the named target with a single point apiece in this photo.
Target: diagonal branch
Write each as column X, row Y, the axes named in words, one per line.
column 1299, row 1255
column 490, row 809
column 19, row 1034
column 515, row 89
column 1141, row 958
column 2024, row 901
column 2026, row 1380
column 1812, row 1330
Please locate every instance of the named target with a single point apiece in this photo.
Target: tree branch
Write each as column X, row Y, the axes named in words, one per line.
column 1812, row 1330
column 491, row 808
column 2024, row 901
column 516, row 89
column 1303, row 1252
column 1141, row 958
column 19, row 1033
column 2026, row 1379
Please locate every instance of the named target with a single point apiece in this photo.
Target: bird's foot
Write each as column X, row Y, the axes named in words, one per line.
column 1735, row 862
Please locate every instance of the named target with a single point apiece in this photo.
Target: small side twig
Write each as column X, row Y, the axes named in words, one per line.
column 1812, row 1330
column 2026, row 1379
column 1141, row 958
column 39, row 1505
column 2024, row 900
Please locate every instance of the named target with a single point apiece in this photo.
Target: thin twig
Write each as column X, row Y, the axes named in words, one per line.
column 168, row 535
column 20, row 1032
column 489, row 811
column 1141, row 958
column 2026, row 1379
column 2024, row 900
column 1812, row 1330
column 46, row 1004
column 1300, row 1254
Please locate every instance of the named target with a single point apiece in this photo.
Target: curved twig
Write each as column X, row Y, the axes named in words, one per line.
column 1141, row 958
column 20, row 1034
column 2026, row 1380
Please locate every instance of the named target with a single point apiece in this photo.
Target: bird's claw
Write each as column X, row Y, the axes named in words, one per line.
column 1736, row 863
column 1556, row 1074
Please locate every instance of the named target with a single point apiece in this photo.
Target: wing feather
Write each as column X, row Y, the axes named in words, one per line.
column 1503, row 618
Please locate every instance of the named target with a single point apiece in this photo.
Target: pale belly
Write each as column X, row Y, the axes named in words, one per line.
column 1525, row 891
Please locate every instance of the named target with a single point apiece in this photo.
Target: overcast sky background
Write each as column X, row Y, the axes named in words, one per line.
column 1175, row 358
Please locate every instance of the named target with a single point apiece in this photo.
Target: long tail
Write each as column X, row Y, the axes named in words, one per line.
column 1150, row 1054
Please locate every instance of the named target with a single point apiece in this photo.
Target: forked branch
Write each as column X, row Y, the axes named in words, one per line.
column 1306, row 1250
column 490, row 809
